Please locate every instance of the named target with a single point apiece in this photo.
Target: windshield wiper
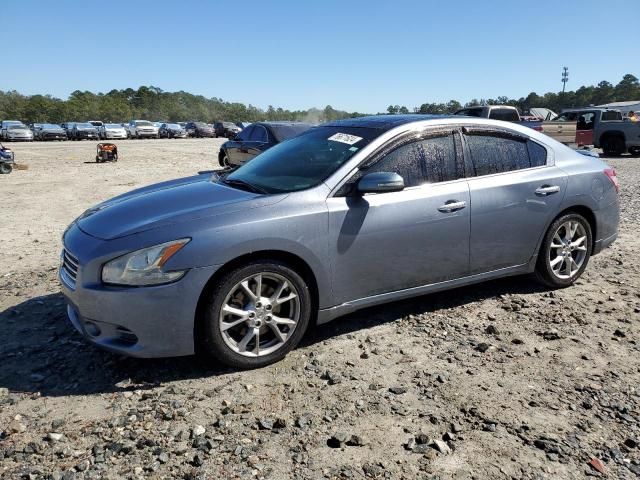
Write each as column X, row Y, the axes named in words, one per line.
column 235, row 182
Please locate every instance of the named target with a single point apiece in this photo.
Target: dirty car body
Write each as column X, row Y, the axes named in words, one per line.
column 316, row 204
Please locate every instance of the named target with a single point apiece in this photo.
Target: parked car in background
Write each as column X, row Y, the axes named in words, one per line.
column 257, row 138
column 5, row 124
column 112, row 131
column 67, row 127
column 82, row 131
column 226, row 129
column 607, row 129
column 96, row 123
column 17, row 133
column 506, row 113
column 172, row 130
column 143, row 129
column 347, row 215
column 199, row 130
column 48, row 131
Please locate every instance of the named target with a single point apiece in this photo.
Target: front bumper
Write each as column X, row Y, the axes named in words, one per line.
column 115, row 135
column 147, row 322
column 87, row 135
column 53, row 136
column 146, row 134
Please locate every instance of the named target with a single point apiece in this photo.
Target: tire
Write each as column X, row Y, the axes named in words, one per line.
column 635, row 151
column 5, row 168
column 551, row 269
column 294, row 314
column 613, row 146
column 223, row 159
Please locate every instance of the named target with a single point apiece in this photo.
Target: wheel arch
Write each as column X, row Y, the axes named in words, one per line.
column 612, row 134
column 294, row 261
column 582, row 210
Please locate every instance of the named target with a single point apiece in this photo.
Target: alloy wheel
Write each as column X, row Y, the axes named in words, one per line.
column 259, row 314
column 568, row 249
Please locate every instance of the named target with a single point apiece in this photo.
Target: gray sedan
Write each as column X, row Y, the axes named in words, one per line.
column 347, row 215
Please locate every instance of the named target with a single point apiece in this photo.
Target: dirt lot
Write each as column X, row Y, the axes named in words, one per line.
column 500, row 380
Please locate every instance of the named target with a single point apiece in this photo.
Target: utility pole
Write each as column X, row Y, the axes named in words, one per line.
column 565, row 77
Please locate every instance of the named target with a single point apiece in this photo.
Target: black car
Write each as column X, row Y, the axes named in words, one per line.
column 48, row 131
column 226, row 129
column 199, row 130
column 172, row 130
column 80, row 131
column 257, row 138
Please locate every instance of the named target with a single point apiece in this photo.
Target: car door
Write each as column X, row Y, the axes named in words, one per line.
column 397, row 240
column 257, row 140
column 515, row 192
column 236, row 149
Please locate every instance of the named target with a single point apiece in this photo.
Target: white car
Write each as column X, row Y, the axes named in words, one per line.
column 143, row 129
column 112, row 131
column 15, row 133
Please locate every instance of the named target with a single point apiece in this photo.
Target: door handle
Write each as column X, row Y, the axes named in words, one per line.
column 452, row 206
column 547, row 190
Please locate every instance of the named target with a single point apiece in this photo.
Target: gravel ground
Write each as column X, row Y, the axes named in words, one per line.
column 499, row 380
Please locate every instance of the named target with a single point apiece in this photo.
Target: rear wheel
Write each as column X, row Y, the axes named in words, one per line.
column 613, row 146
column 255, row 315
column 565, row 251
column 223, row 159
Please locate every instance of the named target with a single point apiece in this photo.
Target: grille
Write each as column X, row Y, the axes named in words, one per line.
column 69, row 267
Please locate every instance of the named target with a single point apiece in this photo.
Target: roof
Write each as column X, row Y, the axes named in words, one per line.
column 621, row 104
column 384, row 122
column 284, row 123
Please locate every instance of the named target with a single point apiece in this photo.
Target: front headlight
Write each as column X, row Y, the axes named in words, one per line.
column 144, row 267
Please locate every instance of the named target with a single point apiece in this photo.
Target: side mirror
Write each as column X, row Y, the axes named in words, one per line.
column 381, row 182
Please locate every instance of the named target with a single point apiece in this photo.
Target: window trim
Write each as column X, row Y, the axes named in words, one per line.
column 503, row 133
column 398, row 142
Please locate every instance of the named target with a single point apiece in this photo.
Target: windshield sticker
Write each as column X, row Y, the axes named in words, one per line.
column 344, row 138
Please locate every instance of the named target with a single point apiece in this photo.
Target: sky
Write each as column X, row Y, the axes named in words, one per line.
column 353, row 55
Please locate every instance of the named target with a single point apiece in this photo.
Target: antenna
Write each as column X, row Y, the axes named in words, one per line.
column 565, row 77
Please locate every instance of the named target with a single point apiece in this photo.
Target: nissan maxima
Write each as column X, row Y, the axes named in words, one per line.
column 347, row 215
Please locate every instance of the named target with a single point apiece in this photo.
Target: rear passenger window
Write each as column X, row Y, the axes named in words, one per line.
column 504, row 114
column 537, row 154
column 426, row 161
column 496, row 154
column 259, row 134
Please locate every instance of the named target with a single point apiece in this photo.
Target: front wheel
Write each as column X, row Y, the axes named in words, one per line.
column 565, row 251
column 613, row 146
column 255, row 315
column 5, row 168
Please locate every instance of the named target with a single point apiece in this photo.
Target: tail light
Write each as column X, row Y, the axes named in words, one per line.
column 611, row 173
column 538, row 128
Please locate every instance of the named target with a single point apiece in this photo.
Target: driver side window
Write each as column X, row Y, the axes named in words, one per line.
column 245, row 134
column 430, row 160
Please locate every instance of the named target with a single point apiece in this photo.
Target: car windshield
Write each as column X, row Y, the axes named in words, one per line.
column 84, row 125
column 113, row 125
column 50, row 126
column 302, row 162
column 173, row 126
column 17, row 127
column 201, row 125
column 228, row 124
column 144, row 123
column 283, row 132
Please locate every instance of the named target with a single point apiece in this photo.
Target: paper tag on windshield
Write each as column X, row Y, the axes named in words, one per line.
column 344, row 138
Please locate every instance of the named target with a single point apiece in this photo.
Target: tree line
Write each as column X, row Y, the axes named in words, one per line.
column 604, row 92
column 149, row 103
column 152, row 103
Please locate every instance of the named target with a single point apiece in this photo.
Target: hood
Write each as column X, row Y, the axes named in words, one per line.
column 53, row 129
column 166, row 204
column 21, row 131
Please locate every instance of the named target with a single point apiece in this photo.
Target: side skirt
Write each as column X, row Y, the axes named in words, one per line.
column 327, row 314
